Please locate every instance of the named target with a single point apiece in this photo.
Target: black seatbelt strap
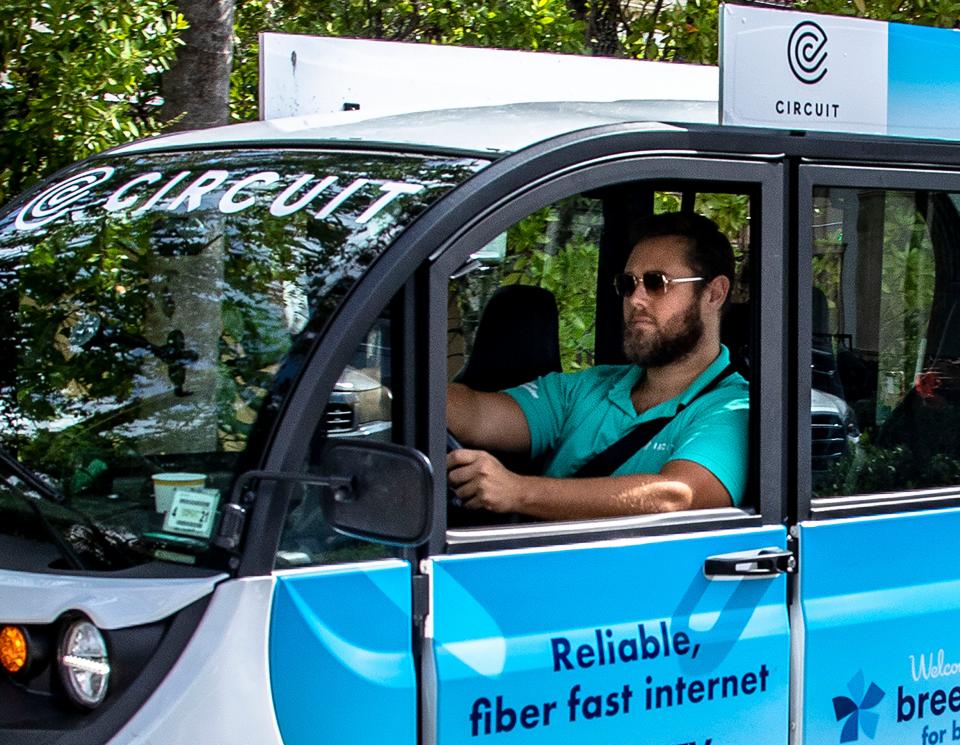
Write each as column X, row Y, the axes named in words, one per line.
column 607, row 461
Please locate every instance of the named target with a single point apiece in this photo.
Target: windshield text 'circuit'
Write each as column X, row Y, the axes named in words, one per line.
column 185, row 191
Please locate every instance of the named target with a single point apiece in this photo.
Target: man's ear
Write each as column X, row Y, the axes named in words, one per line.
column 717, row 290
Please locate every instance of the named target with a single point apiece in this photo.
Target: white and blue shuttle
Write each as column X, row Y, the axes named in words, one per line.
column 224, row 517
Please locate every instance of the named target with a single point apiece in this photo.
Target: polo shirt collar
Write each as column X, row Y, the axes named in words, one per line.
column 620, row 394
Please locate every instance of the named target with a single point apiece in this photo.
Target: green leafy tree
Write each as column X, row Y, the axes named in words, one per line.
column 942, row 13
column 77, row 78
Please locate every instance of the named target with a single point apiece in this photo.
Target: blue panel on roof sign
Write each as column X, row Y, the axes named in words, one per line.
column 924, row 98
column 881, row 602
column 341, row 657
column 626, row 643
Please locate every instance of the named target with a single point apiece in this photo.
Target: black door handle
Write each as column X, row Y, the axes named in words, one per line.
column 765, row 563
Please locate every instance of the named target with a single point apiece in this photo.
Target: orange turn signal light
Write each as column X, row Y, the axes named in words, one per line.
column 13, row 648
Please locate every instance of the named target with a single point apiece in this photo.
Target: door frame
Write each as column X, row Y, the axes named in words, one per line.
column 769, row 379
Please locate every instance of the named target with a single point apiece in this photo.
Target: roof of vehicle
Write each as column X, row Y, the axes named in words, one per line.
column 493, row 131
column 482, row 130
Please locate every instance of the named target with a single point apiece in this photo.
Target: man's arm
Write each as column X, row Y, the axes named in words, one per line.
column 487, row 420
column 481, row 481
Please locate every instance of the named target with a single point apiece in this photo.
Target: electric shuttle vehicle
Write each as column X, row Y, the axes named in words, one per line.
column 224, row 515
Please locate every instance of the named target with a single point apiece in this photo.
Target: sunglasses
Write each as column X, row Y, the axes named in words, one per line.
column 654, row 283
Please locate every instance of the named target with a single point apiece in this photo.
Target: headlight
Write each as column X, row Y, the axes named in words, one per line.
column 84, row 664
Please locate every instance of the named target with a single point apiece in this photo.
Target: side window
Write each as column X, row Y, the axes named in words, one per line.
column 540, row 299
column 886, row 341
column 360, row 406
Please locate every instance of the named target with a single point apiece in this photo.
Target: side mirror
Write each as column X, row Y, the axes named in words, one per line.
column 377, row 491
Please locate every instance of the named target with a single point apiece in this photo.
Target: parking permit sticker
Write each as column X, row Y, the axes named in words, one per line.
column 192, row 512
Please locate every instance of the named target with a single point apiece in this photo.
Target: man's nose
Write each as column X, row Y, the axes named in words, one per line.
column 639, row 298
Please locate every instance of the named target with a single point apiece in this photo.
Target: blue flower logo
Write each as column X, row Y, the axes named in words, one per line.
column 858, row 715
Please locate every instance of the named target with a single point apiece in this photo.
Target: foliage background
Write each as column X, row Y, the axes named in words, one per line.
column 79, row 76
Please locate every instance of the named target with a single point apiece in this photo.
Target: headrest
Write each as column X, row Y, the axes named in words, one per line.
column 517, row 340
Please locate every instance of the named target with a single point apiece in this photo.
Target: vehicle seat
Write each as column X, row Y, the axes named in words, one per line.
column 736, row 327
column 517, row 340
column 927, row 422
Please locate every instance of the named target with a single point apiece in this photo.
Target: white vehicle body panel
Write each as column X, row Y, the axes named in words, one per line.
column 110, row 602
column 219, row 689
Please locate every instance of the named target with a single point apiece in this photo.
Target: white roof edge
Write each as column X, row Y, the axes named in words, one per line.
column 491, row 129
column 471, row 100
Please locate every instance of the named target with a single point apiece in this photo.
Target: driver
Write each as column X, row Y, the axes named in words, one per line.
column 675, row 286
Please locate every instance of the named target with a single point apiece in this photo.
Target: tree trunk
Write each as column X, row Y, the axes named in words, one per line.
column 605, row 28
column 196, row 95
column 196, row 89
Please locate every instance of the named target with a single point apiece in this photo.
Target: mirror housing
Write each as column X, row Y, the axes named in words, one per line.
column 377, row 491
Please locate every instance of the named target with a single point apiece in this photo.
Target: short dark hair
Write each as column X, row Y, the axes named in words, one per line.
column 709, row 254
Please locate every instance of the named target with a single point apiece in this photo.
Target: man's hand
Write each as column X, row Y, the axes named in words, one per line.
column 482, row 482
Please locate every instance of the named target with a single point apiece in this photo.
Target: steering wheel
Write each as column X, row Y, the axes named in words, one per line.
column 460, row 516
column 452, row 442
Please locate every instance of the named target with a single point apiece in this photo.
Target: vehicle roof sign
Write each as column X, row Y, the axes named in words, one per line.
column 311, row 74
column 840, row 74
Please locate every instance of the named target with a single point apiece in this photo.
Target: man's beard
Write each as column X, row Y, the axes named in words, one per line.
column 656, row 346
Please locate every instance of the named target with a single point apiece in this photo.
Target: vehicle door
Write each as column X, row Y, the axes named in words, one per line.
column 657, row 629
column 878, row 594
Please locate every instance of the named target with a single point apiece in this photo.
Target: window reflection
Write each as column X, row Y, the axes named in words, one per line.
column 886, row 304
column 152, row 304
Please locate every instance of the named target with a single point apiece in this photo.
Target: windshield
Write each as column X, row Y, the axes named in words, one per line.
column 148, row 307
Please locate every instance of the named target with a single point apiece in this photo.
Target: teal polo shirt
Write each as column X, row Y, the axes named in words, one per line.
column 574, row 416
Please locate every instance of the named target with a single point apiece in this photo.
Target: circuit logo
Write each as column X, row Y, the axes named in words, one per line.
column 855, row 709
column 807, row 52
column 57, row 200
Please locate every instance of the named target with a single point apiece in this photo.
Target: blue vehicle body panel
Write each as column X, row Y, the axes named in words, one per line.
column 341, row 656
column 614, row 643
column 880, row 598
